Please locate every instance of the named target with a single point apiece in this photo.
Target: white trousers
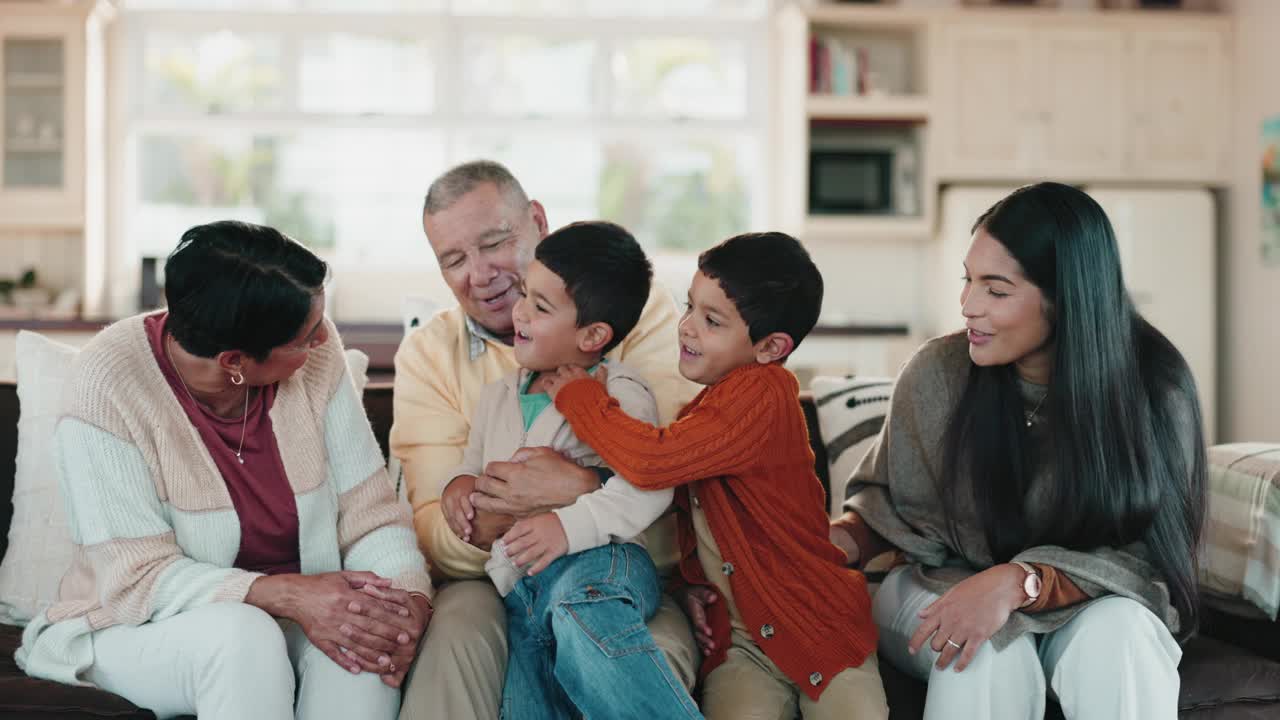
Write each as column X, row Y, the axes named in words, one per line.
column 1114, row 659
column 231, row 661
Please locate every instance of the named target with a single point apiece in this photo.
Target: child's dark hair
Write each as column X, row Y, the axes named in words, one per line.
column 770, row 279
column 604, row 270
column 238, row 286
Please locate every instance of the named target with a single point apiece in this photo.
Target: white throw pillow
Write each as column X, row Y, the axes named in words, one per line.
column 358, row 364
column 39, row 542
column 851, row 411
column 40, row 547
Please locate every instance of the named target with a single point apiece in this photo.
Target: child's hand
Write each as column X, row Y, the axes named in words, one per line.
column 695, row 600
column 568, row 373
column 536, row 542
column 456, row 503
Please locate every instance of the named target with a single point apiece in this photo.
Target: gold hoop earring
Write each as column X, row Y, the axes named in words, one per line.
column 237, row 378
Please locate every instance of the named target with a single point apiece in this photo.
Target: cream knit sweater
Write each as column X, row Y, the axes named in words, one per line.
column 617, row 512
column 154, row 526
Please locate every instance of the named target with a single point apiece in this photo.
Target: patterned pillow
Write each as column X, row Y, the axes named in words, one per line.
column 851, row 412
column 1240, row 555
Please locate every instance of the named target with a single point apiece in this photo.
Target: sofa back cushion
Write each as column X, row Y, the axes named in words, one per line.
column 850, row 413
column 8, row 456
column 1240, row 560
column 39, row 550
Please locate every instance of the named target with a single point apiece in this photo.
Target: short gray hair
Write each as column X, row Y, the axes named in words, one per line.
column 462, row 179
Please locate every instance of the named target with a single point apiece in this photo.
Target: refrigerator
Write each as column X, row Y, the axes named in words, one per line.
column 1167, row 242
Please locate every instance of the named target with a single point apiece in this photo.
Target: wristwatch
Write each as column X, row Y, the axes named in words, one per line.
column 1030, row 584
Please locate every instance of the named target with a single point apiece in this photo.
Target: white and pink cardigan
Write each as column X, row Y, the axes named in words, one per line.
column 154, row 528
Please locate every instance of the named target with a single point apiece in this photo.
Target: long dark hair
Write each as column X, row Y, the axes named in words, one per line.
column 1122, row 407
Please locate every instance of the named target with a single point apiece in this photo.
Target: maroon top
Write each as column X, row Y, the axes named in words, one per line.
column 259, row 487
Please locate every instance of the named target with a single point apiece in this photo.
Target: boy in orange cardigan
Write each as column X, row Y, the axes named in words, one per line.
column 794, row 627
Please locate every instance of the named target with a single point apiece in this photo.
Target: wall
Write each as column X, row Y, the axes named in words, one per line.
column 1250, row 291
column 57, row 256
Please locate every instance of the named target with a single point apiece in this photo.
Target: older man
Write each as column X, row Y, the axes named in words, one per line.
column 483, row 230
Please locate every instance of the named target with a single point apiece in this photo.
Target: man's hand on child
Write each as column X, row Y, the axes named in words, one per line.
column 695, row 601
column 568, row 373
column 456, row 502
column 536, row 542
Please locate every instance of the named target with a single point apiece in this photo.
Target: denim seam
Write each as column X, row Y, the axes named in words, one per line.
column 674, row 685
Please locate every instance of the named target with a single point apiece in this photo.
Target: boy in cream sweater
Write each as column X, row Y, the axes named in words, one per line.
column 573, row 580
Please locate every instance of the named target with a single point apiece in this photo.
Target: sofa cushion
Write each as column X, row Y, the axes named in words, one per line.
column 8, row 457
column 24, row 697
column 1241, row 551
column 39, row 551
column 1218, row 675
column 851, row 411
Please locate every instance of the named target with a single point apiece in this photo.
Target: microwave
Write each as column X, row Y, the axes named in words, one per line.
column 864, row 180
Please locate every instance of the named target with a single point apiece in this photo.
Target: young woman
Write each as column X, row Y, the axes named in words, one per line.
column 1044, row 474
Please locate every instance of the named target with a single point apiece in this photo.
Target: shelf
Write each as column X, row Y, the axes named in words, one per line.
column 33, row 81
column 870, row 16
column 867, row 227
column 15, row 145
column 908, row 108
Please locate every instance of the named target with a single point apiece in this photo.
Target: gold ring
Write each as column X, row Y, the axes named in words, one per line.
column 954, row 644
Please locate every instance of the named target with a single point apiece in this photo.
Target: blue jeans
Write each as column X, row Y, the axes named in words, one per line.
column 579, row 644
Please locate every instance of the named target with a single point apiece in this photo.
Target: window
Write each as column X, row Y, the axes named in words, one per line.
column 329, row 118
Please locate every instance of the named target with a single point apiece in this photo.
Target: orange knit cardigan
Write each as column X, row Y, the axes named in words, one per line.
column 744, row 442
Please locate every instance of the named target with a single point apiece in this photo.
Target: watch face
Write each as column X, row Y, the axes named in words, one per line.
column 1032, row 585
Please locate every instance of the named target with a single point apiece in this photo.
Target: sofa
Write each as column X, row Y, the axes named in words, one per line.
column 1231, row 671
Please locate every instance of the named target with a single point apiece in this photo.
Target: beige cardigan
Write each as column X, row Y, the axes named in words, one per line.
column 617, row 512
column 155, row 531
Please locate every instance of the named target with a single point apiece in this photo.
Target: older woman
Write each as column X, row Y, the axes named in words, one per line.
column 239, row 546
column 1044, row 474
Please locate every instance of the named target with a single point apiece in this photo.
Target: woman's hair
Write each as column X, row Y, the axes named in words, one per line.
column 238, row 286
column 1121, row 405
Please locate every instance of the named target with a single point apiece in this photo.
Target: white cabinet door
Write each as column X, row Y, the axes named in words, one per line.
column 1180, row 101
column 42, row 131
column 988, row 113
column 1082, row 86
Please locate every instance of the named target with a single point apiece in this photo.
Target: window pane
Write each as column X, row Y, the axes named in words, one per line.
column 523, row 76
column 671, row 8
column 417, row 6
column 679, row 196
column 215, row 72
column 632, row 8
column 517, row 7
column 558, row 170
column 355, row 194
column 206, row 4
column 345, row 73
column 674, row 195
column 680, row 77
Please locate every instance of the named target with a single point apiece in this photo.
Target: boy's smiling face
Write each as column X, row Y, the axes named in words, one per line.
column 714, row 339
column 546, row 324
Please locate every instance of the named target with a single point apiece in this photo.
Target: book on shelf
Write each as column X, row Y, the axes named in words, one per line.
column 837, row 67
